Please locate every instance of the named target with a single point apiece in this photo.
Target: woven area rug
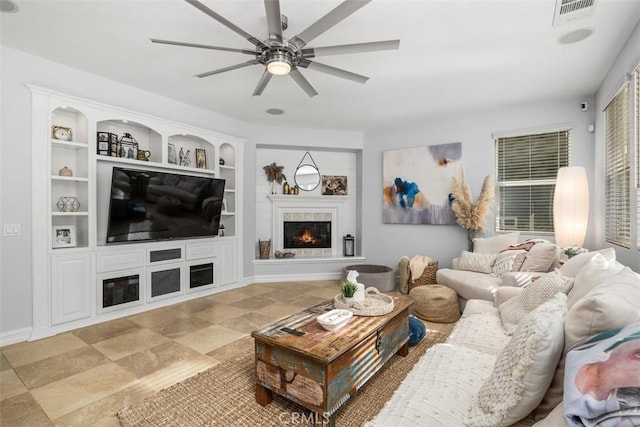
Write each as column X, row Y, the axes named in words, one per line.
column 225, row 396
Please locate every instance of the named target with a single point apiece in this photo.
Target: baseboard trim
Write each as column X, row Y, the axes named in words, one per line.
column 293, row 277
column 15, row 336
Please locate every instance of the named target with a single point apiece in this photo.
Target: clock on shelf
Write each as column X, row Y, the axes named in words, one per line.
column 62, row 133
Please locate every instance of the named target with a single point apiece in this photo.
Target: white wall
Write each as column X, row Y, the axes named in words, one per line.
column 625, row 63
column 386, row 243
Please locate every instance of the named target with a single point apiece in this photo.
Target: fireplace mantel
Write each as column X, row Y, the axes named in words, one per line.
column 308, row 200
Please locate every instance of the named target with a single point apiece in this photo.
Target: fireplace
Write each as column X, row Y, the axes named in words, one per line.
column 307, row 235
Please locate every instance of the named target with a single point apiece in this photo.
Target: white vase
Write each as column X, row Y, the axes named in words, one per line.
column 348, row 301
column 359, row 296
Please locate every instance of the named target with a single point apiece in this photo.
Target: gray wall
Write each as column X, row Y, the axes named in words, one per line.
column 386, row 243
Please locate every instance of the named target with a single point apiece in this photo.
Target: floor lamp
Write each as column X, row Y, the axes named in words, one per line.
column 571, row 206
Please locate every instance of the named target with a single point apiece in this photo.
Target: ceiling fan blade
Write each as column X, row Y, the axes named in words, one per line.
column 303, row 83
column 264, row 80
column 274, row 19
column 336, row 15
column 350, row 48
column 204, row 46
column 221, row 19
column 232, row 67
column 338, row 72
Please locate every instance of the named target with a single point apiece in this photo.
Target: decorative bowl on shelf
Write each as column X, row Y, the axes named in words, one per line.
column 334, row 319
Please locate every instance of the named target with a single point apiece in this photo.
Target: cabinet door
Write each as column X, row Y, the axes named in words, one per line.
column 228, row 261
column 71, row 279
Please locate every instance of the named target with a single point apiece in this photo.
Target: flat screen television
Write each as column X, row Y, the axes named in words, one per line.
column 151, row 205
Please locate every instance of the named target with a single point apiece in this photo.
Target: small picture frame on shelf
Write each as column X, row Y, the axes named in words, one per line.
column 64, row 236
column 201, row 158
column 334, row 185
column 224, row 204
column 172, row 155
column 102, row 140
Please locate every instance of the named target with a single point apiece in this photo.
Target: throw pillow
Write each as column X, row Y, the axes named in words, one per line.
column 541, row 257
column 521, row 372
column 573, row 265
column 612, row 304
column 519, row 261
column 502, row 266
column 495, row 244
column 595, row 272
column 538, row 292
column 602, row 380
column 612, row 300
column 479, row 262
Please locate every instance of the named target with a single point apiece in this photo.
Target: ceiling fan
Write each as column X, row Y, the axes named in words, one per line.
column 283, row 56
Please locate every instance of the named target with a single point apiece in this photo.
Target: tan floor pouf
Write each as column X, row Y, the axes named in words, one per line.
column 435, row 303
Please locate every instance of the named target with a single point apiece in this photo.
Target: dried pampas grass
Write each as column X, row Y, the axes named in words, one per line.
column 472, row 215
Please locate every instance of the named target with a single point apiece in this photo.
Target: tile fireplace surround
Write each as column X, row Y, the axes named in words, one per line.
column 302, row 208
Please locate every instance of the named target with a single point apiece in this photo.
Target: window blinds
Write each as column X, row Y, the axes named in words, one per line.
column 527, row 166
column 618, row 169
column 637, row 78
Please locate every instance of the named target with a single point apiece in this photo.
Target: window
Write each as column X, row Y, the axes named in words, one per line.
column 618, row 169
column 527, row 166
column 637, row 77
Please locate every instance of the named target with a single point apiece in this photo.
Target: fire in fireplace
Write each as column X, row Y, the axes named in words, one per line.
column 307, row 234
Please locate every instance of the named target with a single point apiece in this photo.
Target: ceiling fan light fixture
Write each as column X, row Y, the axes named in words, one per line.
column 278, row 67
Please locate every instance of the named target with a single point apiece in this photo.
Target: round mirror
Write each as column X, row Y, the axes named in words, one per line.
column 307, row 177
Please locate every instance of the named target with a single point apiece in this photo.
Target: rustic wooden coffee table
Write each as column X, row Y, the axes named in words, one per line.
column 320, row 370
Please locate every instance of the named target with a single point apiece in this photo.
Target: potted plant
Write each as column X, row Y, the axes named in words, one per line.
column 348, row 290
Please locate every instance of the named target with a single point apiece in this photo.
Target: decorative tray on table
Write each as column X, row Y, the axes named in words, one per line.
column 374, row 304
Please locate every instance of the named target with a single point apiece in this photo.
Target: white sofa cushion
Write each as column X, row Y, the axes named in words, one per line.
column 592, row 274
column 534, row 295
column 541, row 257
column 469, row 284
column 495, row 244
column 603, row 297
column 612, row 304
column 439, row 390
column 480, row 330
column 479, row 262
column 573, row 265
column 521, row 372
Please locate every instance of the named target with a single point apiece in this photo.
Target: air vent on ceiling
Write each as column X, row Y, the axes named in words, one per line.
column 568, row 10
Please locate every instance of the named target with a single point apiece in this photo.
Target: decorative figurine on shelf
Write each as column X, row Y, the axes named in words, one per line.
column 65, row 171
column 181, row 156
column 187, row 158
column 221, row 161
column 221, row 230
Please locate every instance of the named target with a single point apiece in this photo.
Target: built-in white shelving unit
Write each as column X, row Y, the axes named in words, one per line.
column 78, row 278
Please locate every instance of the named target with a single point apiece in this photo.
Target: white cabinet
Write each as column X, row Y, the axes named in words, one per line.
column 71, row 296
column 77, row 276
column 228, row 261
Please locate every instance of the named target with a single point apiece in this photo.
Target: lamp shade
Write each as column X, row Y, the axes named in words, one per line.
column 571, row 206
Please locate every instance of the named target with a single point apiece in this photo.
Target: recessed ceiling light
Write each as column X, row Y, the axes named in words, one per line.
column 275, row 111
column 575, row 36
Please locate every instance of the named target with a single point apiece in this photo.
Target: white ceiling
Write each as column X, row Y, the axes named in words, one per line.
column 454, row 55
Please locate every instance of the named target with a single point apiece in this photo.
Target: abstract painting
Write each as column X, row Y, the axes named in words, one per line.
column 417, row 184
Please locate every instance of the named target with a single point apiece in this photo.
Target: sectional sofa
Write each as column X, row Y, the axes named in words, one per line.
column 503, row 364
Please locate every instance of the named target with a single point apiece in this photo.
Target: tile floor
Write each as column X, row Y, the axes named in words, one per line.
column 83, row 377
